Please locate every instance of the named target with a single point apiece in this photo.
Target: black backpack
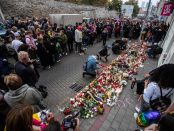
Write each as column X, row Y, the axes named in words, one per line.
column 158, row 50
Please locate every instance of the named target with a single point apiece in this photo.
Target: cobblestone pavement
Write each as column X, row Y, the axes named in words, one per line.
column 69, row 70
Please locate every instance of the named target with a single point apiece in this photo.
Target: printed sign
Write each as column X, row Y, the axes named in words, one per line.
column 167, row 9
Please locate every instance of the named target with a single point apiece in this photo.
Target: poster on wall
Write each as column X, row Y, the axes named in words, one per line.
column 127, row 10
column 167, row 9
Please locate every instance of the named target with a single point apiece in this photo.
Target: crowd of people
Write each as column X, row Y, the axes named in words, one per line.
column 34, row 42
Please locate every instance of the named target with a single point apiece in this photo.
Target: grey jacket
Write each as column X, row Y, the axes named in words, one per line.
column 24, row 95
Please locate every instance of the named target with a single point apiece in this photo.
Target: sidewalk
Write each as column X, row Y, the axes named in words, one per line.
column 69, row 70
column 120, row 117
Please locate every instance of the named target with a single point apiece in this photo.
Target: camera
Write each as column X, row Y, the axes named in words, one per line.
column 70, row 121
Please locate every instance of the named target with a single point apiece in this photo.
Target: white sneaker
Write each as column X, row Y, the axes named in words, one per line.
column 137, row 109
column 49, row 67
column 81, row 53
column 58, row 61
column 135, row 115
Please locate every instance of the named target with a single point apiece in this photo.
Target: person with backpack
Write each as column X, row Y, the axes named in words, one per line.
column 20, row 93
column 103, row 53
column 32, row 45
column 154, row 50
column 158, row 86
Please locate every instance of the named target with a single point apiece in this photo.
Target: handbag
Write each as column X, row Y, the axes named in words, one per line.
column 161, row 103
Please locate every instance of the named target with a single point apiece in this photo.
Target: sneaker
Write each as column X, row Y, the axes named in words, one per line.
column 81, row 53
column 48, row 67
column 135, row 115
column 58, row 61
column 137, row 109
column 133, row 83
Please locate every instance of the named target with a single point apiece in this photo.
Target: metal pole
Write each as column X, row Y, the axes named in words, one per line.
column 148, row 8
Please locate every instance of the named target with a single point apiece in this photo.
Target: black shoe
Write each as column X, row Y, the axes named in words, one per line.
column 42, row 87
column 133, row 83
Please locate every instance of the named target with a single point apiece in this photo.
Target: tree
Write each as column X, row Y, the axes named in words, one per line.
column 136, row 7
column 115, row 5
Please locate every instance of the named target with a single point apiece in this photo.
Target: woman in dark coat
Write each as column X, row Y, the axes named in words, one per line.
column 48, row 46
column 42, row 53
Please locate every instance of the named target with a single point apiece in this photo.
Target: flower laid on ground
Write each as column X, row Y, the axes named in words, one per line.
column 105, row 89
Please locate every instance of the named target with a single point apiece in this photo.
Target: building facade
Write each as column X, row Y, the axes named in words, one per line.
column 167, row 55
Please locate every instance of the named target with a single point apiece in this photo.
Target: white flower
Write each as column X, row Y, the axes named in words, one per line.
column 123, row 82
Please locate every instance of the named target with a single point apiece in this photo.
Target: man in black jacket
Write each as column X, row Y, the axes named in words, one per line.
column 26, row 70
column 70, row 37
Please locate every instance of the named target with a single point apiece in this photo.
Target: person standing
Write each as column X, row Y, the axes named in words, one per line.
column 69, row 34
column 64, row 39
column 104, row 36
column 78, row 39
column 16, row 42
column 26, row 70
column 43, row 54
column 32, row 45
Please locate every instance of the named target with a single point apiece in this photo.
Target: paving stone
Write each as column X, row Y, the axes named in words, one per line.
column 110, row 117
column 111, row 129
column 115, row 125
column 123, row 126
column 106, row 124
column 114, row 111
column 85, row 125
column 92, row 120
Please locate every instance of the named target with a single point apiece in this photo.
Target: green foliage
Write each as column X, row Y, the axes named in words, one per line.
column 115, row 5
column 136, row 7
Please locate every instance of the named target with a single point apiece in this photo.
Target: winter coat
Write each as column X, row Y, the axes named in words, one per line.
column 91, row 65
column 29, row 75
column 24, row 95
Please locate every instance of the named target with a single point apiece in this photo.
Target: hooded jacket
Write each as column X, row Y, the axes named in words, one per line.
column 23, row 95
column 91, row 64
